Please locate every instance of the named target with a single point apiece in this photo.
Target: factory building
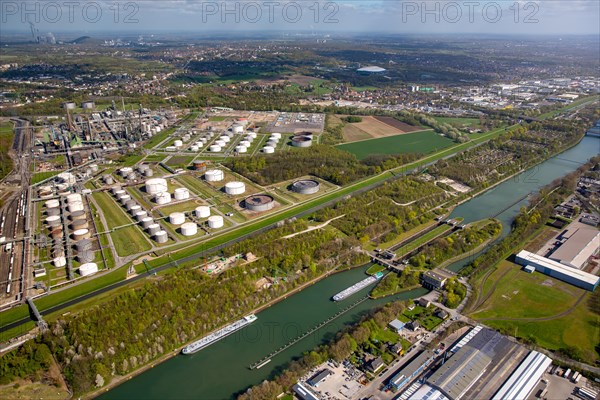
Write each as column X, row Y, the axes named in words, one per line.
column 557, row 270
column 303, row 393
column 577, row 247
column 434, row 280
column 429, row 393
column 411, row 370
column 522, row 382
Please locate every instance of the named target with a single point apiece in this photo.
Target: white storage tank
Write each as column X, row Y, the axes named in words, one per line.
column 75, row 206
column 156, row 185
column 140, row 215
column 216, row 221
column 238, row 128
column 241, row 149
column 177, row 218
column 123, row 199
column 135, row 209
column 125, row 171
column 276, row 135
column 118, row 192
column 163, row 198
column 53, row 211
column 52, row 203
column 203, row 212
column 81, row 234
column 245, row 143
column 178, row 143
column 189, row 229
column 225, row 139
column 153, row 229
column 268, row 149
column 214, row 175
column 194, row 148
column 147, row 222
column 272, row 143
column 220, row 143
column 252, row 135
column 214, row 148
column 161, row 237
column 53, row 220
column 235, row 188
column 59, row 261
column 182, row 194
column 88, row 269
column 274, row 138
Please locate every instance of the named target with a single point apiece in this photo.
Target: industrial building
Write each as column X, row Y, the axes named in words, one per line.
column 429, row 393
column 522, row 382
column 557, row 270
column 434, row 280
column 320, row 377
column 478, row 367
column 396, row 325
column 577, row 246
column 411, row 370
column 303, row 393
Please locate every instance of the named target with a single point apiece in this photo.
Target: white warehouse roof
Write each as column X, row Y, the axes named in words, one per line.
column 525, row 378
column 574, row 273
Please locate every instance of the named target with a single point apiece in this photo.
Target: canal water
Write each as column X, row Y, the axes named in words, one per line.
column 221, row 370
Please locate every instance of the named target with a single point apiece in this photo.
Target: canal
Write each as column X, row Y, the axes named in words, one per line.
column 221, row 370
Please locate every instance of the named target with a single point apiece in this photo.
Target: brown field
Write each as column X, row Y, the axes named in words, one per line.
column 376, row 127
column 404, row 127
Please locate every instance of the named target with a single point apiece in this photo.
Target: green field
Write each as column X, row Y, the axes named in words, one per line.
column 544, row 310
column 460, row 122
column 42, row 176
column 129, row 240
column 6, row 141
column 420, row 142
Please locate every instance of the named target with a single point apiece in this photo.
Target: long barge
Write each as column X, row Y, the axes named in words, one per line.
column 357, row 287
column 218, row 335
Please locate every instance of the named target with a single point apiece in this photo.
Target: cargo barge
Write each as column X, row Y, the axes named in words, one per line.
column 218, row 335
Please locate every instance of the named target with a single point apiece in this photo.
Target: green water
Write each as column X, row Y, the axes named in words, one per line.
column 221, row 370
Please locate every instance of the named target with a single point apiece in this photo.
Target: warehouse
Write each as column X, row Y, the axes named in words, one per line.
column 578, row 247
column 303, row 393
column 411, row 370
column 434, row 280
column 429, row 393
column 525, row 378
column 557, row 270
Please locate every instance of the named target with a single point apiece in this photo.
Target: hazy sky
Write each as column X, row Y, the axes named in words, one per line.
column 558, row 17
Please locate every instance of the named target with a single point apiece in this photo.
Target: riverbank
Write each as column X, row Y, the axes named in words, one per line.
column 122, row 379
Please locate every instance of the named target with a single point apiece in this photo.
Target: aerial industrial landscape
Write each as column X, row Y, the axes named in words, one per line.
column 289, row 214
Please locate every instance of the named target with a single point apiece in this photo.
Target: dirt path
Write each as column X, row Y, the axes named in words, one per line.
column 312, row 228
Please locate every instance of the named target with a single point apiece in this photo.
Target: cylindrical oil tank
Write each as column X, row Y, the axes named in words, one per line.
column 268, row 149
column 53, row 211
column 74, row 198
column 220, row 143
column 276, row 135
column 225, row 139
column 75, row 207
column 124, row 199
column 81, row 234
column 182, row 194
column 199, row 165
column 130, row 204
column 94, row 167
column 53, row 220
column 163, row 198
column 274, row 139
column 148, row 172
column 59, row 262
column 44, row 194
column 189, row 229
column 88, row 269
column 85, row 256
column 79, row 224
column 301, row 141
column 125, row 171
column 306, row 186
column 140, row 215
column 216, row 221
column 77, row 215
column 58, row 251
column 82, row 245
column 214, row 175
column 245, row 143
column 177, row 218
column 271, row 143
column 135, row 209
column 117, row 191
column 241, row 149
column 153, row 228
column 156, row 185
column 238, row 128
column 194, row 148
column 132, row 176
column 147, row 222
column 252, row 135
column 235, row 188
column 52, row 203
column 214, row 148
column 259, row 202
column 178, row 143
column 161, row 237
column 203, row 212
column 108, row 180
column 57, row 233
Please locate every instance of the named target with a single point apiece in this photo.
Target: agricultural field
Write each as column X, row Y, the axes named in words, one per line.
column 540, row 309
column 420, row 142
column 460, row 123
column 375, row 127
column 6, row 140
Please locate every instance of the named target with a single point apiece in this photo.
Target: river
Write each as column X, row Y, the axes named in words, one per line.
column 221, row 370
